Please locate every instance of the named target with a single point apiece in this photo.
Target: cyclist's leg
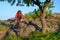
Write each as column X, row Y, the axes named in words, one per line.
column 17, row 29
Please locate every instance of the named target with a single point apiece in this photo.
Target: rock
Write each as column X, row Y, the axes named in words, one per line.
column 28, row 30
column 33, row 25
column 56, row 14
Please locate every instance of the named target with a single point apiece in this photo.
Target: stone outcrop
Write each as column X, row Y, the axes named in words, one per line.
column 33, row 25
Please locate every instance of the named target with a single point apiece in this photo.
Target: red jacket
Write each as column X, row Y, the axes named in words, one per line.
column 19, row 15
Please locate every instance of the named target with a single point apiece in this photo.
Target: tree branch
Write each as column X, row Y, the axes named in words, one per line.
column 38, row 4
column 13, row 2
column 34, row 2
column 46, row 3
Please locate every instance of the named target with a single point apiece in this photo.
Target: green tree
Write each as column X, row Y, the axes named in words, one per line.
column 41, row 5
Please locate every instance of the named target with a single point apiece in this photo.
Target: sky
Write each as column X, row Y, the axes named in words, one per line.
column 7, row 11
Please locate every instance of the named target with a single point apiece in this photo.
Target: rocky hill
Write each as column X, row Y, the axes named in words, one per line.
column 53, row 24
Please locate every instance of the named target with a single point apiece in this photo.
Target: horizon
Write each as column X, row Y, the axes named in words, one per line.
column 7, row 11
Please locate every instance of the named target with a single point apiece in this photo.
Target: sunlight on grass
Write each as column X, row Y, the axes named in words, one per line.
column 3, row 28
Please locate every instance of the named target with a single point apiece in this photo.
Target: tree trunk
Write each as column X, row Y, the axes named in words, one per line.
column 43, row 21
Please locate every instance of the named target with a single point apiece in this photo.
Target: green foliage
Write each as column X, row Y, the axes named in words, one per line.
column 13, row 37
column 36, row 14
column 33, row 15
column 50, row 36
column 53, row 36
column 5, row 23
column 49, row 13
column 28, row 16
column 37, row 35
column 51, row 5
column 31, row 2
column 28, row 2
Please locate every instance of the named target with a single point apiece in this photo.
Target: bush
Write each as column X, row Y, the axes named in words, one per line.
column 51, row 36
column 37, row 35
column 13, row 37
column 5, row 23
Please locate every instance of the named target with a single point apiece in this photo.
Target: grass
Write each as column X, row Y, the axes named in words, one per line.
column 37, row 35
column 3, row 28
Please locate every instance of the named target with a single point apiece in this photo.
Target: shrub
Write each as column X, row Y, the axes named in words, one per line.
column 37, row 35
column 40, row 36
column 13, row 37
